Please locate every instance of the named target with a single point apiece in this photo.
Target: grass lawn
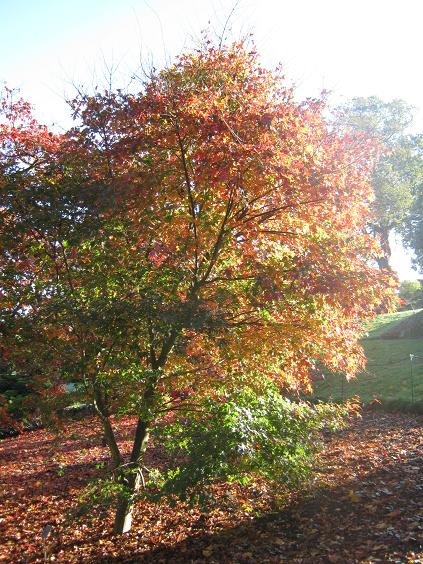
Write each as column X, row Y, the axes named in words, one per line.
column 389, row 377
column 384, row 322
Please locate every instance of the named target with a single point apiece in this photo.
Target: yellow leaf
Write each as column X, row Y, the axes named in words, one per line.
column 280, row 542
column 354, row 498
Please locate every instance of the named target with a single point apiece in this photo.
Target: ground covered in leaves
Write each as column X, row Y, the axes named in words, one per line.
column 364, row 505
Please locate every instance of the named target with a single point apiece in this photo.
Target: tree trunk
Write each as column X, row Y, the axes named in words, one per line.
column 131, row 475
column 108, row 434
column 383, row 261
column 132, row 481
column 125, row 506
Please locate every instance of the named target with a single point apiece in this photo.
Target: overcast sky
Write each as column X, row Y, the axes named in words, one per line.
column 350, row 47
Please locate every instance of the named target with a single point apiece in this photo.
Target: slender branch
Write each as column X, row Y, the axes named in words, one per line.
column 108, row 429
column 153, row 360
column 190, row 199
column 184, row 407
column 278, row 232
column 267, row 214
column 186, row 372
column 231, row 13
column 231, row 279
column 220, row 236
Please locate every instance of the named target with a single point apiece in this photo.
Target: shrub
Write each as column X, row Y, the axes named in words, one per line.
column 241, row 436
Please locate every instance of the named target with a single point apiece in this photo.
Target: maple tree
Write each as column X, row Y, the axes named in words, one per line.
column 206, row 233
column 40, row 211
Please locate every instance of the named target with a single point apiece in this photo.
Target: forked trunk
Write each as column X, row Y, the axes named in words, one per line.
column 132, row 473
column 132, row 480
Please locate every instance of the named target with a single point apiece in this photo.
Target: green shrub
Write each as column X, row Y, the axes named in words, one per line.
column 242, row 436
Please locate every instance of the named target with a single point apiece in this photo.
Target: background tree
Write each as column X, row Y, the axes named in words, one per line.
column 413, row 228
column 412, row 293
column 206, row 233
column 397, row 171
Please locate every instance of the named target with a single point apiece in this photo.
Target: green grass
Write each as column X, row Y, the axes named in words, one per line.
column 389, row 377
column 384, row 322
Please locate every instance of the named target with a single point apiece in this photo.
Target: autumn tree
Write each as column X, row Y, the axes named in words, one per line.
column 397, row 170
column 207, row 233
column 25, row 146
column 43, row 213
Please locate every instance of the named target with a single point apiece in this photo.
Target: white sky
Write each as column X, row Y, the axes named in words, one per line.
column 351, row 47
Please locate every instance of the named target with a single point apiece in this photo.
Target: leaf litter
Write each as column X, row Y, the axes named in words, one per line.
column 364, row 504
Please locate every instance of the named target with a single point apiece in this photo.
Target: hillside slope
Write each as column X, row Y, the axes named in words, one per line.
column 409, row 328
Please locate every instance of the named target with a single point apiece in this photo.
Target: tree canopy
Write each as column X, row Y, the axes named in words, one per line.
column 205, row 233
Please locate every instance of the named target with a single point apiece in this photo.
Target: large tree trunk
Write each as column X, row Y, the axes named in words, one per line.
column 132, row 480
column 383, row 261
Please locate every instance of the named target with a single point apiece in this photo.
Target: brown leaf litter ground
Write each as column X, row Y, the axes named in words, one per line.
column 364, row 505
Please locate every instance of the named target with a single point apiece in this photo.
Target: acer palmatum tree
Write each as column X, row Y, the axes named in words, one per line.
column 225, row 239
